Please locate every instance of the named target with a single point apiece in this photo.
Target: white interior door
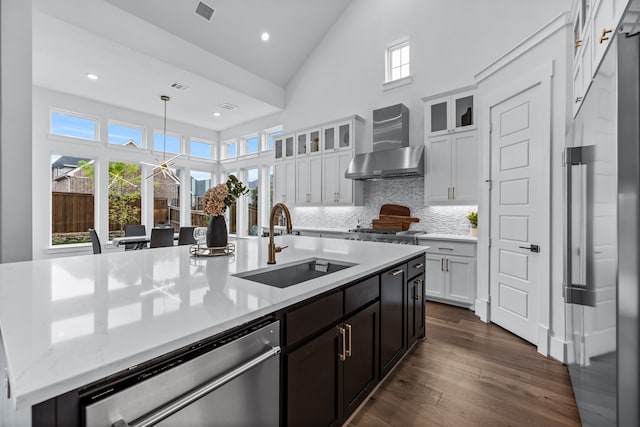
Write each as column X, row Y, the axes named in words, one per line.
column 518, row 206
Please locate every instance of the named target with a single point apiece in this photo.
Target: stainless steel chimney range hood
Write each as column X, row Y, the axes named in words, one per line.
column 392, row 156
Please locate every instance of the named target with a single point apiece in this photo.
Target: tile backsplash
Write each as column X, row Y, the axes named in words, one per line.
column 407, row 192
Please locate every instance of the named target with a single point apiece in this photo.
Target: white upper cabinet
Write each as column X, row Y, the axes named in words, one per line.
column 452, row 154
column 594, row 25
column 308, row 143
column 284, row 186
column 448, row 114
column 336, row 189
column 309, row 181
column 338, row 136
column 284, row 147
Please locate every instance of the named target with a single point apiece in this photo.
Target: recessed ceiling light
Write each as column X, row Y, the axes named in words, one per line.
column 264, row 36
column 216, row 114
column 91, row 76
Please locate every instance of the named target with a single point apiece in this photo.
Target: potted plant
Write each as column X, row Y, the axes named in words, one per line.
column 473, row 220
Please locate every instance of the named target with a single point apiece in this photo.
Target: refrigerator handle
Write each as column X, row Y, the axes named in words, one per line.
column 573, row 293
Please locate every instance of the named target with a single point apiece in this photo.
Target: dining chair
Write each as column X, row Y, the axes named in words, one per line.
column 185, row 237
column 95, row 241
column 134, row 230
column 161, row 237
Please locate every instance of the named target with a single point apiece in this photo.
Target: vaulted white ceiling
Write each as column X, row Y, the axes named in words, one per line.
column 139, row 48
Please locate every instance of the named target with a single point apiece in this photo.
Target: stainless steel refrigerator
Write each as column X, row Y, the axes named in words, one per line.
column 602, row 239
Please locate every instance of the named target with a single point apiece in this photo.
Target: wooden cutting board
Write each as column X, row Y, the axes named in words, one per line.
column 380, row 224
column 399, row 210
column 402, row 218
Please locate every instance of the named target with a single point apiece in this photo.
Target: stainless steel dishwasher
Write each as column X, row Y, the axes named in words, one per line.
column 229, row 380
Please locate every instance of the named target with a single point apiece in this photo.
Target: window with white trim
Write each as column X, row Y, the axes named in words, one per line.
column 172, row 144
column 229, row 149
column 397, row 61
column 201, row 149
column 269, row 136
column 251, row 144
column 124, row 134
column 73, row 125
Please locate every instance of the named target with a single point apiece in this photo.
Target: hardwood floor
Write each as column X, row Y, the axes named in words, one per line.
column 469, row 373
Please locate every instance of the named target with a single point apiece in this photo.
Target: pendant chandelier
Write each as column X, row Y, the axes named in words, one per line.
column 164, row 166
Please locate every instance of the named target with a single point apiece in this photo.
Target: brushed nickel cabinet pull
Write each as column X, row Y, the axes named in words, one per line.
column 445, row 249
column 395, row 272
column 419, row 265
column 348, row 351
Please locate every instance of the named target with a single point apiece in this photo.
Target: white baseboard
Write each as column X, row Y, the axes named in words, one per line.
column 482, row 310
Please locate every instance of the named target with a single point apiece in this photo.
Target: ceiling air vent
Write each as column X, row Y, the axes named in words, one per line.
column 228, row 107
column 205, row 11
column 179, row 86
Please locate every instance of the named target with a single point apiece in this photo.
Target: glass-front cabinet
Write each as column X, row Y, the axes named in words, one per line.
column 338, row 137
column 450, row 113
column 308, row 142
column 284, row 147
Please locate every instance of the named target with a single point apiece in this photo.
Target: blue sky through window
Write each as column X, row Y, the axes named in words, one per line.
column 173, row 143
column 122, row 134
column 73, row 126
column 232, row 150
column 200, row 149
column 252, row 145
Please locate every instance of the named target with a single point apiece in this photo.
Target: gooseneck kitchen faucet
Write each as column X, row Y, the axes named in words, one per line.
column 272, row 219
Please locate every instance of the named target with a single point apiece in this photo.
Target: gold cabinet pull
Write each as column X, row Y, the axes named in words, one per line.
column 348, row 351
column 342, row 354
column 603, row 36
column 577, row 44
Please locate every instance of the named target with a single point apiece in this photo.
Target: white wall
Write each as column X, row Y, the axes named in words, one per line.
column 45, row 145
column 15, row 132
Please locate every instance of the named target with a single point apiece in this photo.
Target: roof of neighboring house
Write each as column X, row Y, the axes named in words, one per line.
column 68, row 162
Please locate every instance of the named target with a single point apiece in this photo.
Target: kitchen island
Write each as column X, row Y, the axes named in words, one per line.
column 67, row 322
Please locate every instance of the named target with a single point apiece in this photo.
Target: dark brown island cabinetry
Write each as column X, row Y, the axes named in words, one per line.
column 340, row 344
column 415, row 300
column 327, row 374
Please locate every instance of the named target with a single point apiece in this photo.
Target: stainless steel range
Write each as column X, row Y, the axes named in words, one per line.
column 386, row 236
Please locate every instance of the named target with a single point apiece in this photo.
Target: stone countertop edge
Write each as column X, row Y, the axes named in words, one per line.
column 39, row 371
column 451, row 237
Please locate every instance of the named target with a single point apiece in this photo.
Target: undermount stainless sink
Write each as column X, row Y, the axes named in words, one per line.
column 292, row 274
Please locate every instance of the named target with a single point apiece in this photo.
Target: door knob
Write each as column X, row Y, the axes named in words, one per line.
column 532, row 248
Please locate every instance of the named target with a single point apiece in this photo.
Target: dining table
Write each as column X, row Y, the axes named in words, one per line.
column 140, row 242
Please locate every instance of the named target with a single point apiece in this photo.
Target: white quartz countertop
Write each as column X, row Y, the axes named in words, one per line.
column 66, row 322
column 451, row 237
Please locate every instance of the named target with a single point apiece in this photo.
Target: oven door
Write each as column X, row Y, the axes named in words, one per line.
column 236, row 383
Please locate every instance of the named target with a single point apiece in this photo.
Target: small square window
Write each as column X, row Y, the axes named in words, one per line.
column 397, row 61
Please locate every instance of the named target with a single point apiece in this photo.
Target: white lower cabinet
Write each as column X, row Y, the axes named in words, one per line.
column 284, row 189
column 450, row 272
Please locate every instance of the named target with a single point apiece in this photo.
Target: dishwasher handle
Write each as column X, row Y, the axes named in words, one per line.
column 171, row 408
